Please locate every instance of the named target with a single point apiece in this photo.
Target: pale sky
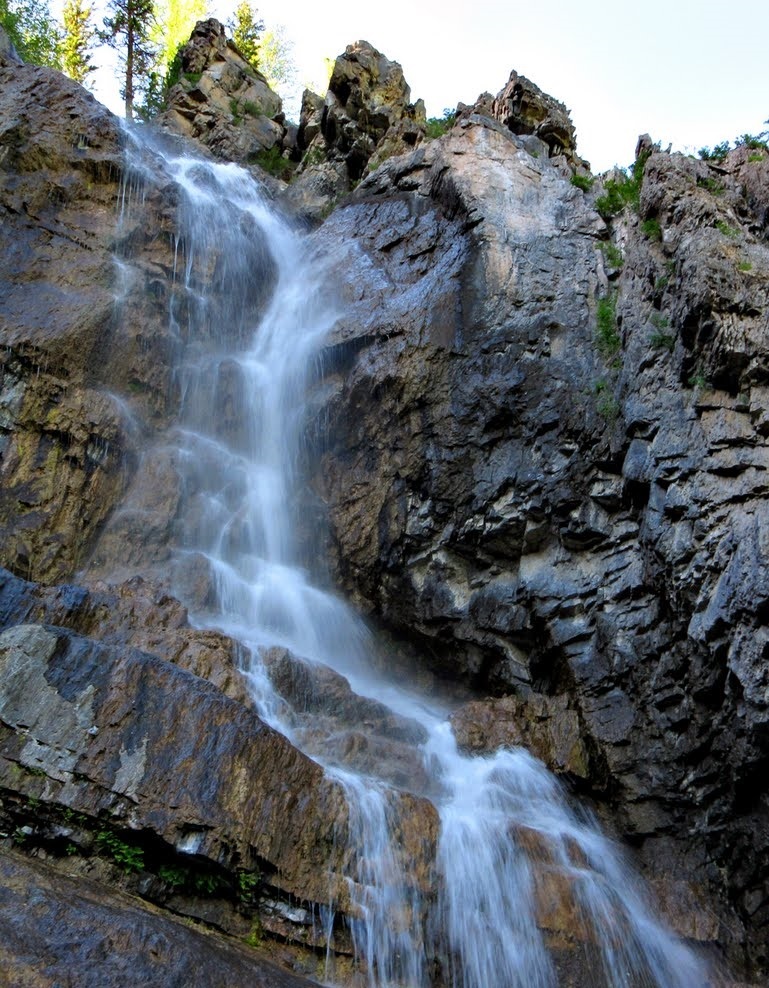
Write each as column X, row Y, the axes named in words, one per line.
column 690, row 73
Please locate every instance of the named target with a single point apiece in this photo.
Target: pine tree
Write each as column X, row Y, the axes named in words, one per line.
column 128, row 32
column 78, row 40
column 246, row 31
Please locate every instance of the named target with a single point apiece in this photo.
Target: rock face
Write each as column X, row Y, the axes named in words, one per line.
column 365, row 118
column 546, row 459
column 543, row 453
column 221, row 101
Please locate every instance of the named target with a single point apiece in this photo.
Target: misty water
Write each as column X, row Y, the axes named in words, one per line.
column 508, row 832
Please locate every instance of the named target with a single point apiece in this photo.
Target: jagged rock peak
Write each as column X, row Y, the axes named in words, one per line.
column 222, row 101
column 523, row 108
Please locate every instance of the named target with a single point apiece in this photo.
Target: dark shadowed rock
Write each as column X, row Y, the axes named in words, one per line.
column 80, row 933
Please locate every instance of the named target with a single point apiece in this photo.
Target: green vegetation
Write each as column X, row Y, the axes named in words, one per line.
column 713, row 186
column 33, row 31
column 723, row 227
column 128, row 30
column 607, row 336
column 584, row 182
column 697, row 380
column 752, row 158
column 273, row 162
column 78, row 39
column 607, row 405
column 438, row 126
column 252, row 108
column 613, row 255
column 651, row 228
column 754, row 142
column 314, row 156
column 662, row 341
column 661, row 283
column 623, row 191
column 744, row 266
column 246, row 29
column 248, row 883
column 128, row 857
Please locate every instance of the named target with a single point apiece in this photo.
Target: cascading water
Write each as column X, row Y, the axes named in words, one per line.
column 508, row 837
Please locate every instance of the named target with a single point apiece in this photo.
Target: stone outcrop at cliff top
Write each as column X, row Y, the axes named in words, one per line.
column 221, row 101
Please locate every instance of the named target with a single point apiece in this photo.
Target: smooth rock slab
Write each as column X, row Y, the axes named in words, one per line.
column 58, row 931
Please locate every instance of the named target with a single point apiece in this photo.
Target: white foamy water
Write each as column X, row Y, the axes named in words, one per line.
column 509, row 839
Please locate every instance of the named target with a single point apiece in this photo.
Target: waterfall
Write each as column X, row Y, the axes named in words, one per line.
column 508, row 839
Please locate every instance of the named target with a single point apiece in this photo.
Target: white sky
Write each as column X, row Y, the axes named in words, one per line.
column 690, row 73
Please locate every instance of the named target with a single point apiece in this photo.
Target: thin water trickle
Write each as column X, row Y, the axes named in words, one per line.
column 508, row 839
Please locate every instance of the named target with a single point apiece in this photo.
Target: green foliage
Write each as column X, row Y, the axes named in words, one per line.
column 248, row 883
column 613, row 255
column 246, row 29
column 438, row 126
column 584, row 182
column 718, row 153
column 713, row 186
column 606, row 405
column 314, row 156
column 607, row 337
column 744, row 266
column 129, row 31
column 175, row 877
column 206, row 883
column 32, row 31
column 276, row 59
column 79, row 35
column 651, row 228
column 273, row 162
column 662, row 341
column 251, row 108
column 659, row 321
column 723, row 227
column 126, row 856
column 171, row 30
column 661, row 283
column 697, row 380
column 623, row 191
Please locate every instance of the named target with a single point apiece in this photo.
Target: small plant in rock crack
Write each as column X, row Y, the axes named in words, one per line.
column 607, row 336
column 126, row 856
column 248, row 883
column 584, row 182
column 662, row 341
column 613, row 255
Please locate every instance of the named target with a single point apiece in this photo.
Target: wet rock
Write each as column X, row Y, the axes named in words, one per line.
column 544, row 725
column 552, row 519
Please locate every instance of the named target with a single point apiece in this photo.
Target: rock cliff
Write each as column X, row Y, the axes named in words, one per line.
column 540, row 435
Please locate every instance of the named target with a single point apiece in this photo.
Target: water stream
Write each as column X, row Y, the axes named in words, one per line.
column 509, row 838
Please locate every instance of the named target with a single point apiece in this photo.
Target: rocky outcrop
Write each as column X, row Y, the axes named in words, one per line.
column 222, row 102
column 365, row 118
column 545, row 457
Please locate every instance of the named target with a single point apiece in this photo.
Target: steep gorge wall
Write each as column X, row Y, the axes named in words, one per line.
column 574, row 516
column 577, row 531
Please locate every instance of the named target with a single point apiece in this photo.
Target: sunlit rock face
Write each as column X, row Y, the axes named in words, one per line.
column 221, row 101
column 554, row 515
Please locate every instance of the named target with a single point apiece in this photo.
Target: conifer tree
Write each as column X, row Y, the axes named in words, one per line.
column 77, row 41
column 128, row 31
column 246, row 31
